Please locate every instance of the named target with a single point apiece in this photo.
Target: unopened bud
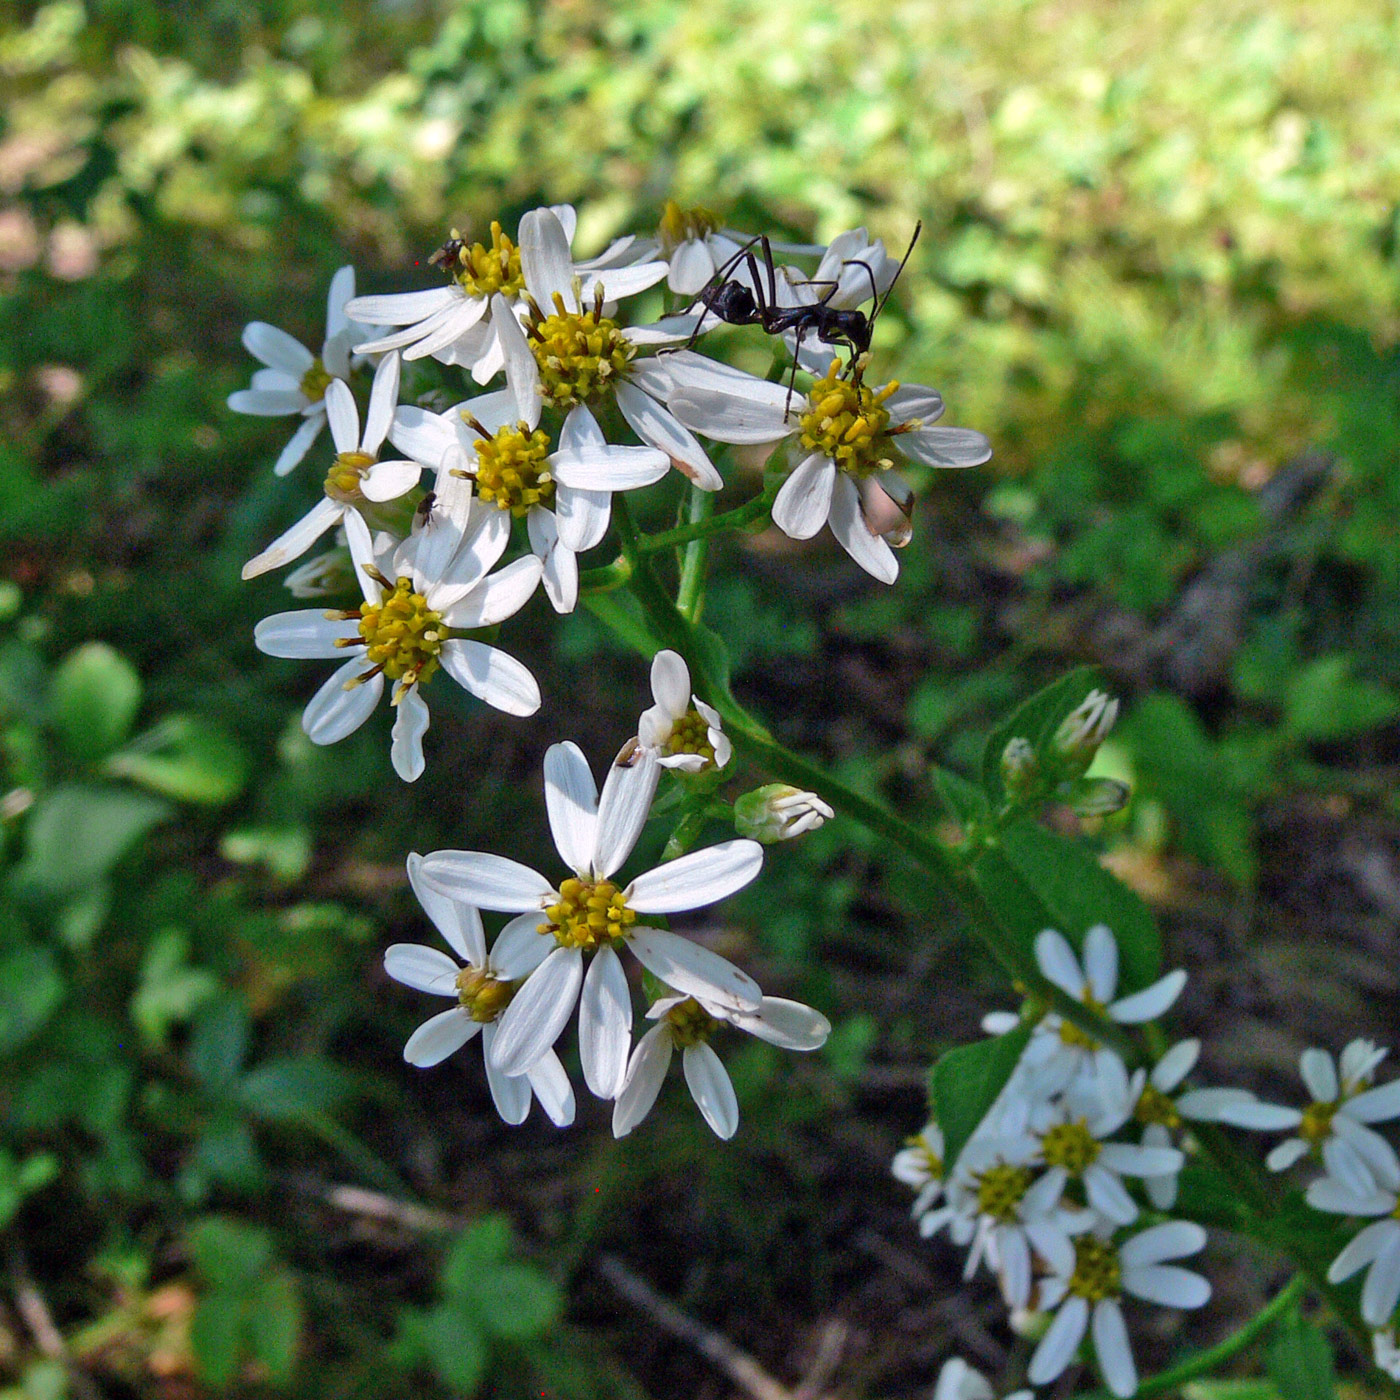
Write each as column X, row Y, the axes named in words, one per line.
column 778, row 812
column 1095, row 797
column 324, row 576
column 1020, row 768
column 1078, row 738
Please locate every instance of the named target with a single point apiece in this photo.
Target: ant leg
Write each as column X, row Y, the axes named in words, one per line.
column 772, row 273
column 792, row 373
column 722, row 275
column 870, row 273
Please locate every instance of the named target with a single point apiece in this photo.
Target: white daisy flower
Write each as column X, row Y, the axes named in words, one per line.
column 460, row 323
column 919, row 1163
column 1334, row 1125
column 687, row 1023
column 590, row 912
column 852, row 271
column 294, row 380
column 564, row 495
column 1086, row 1297
column 1386, row 1352
column 779, row 812
column 410, row 626
column 1376, row 1247
column 356, row 476
column 958, row 1381
column 680, row 728
column 844, row 439
column 482, row 989
column 573, row 355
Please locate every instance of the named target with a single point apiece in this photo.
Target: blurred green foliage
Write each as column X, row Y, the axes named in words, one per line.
column 1159, row 265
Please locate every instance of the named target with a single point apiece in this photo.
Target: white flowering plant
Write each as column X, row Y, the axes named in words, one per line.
column 1055, row 1147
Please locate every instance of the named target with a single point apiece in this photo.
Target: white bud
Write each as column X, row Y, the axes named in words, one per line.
column 1078, row 738
column 778, row 812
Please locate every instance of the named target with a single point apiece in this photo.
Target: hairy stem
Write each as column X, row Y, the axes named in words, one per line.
column 690, row 595
column 704, row 529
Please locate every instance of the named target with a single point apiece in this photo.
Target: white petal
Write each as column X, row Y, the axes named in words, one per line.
column 692, row 267
column 803, row 501
column 469, row 546
column 1014, row 1259
column 401, row 308
column 607, row 467
column 344, row 417
column 276, row 349
column 1052, row 1244
column 711, row 1089
column 1167, row 1285
column 690, row 370
column 522, row 372
column 1101, row 962
column 299, row 444
column 383, row 399
column 267, row 403
column 545, row 259
column 423, row 969
column 560, row 563
column 1174, row 1239
column 455, row 325
column 1341, row 1198
column 1319, row 1075
column 413, row 335
column 693, row 881
column 619, row 282
column 294, row 542
column 341, row 290
column 531, row 1024
column 459, row 924
column 486, row 881
column 848, row 524
column 623, row 808
column 605, row 1024
column 306, row 634
column 945, row 447
column 568, row 220
column 725, row 418
column 571, row 800
column 491, row 675
column 1128, row 1160
column 646, row 1071
column 1361, row 1250
column 406, row 743
column 551, row 1085
column 1381, row 1291
column 497, row 597
column 1058, row 963
column 520, row 947
column 333, row 712
column 1107, row 1195
column 670, row 683
column 912, row 401
column 1175, row 1065
column 510, row 1094
column 694, row 970
column 438, row 1037
column 1376, row 1105
column 426, row 437
column 1113, row 1349
column 1233, row 1106
column 1151, row 1002
column 1286, row 1154
column 387, row 481
column 785, row 1023
column 582, row 517
column 659, row 428
column 1060, row 1342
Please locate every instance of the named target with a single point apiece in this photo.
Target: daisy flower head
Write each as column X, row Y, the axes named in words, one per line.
column 1087, row 1297
column 483, row 988
column 687, row 1023
column 357, row 479
column 844, row 439
column 416, row 619
column 1334, row 1126
column 294, row 380
column 1374, row 1192
column 919, row 1164
column 680, row 728
column 958, row 1381
column 589, row 912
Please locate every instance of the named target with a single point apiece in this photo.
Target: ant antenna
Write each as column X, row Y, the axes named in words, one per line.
column 880, row 305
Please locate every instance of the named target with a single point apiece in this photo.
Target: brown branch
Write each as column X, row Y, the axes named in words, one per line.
column 33, row 1308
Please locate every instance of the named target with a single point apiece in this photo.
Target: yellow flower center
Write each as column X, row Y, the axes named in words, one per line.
column 1097, row 1272
column 482, row 271
column 1070, row 1034
column 512, row 469
column 681, row 225
column 932, row 1162
column 589, row 913
column 1071, row 1146
column 691, row 734
column 847, row 422
column 1155, row 1107
column 1316, row 1126
column 346, row 473
column 482, row 995
column 580, row 354
column 316, row 381
column 1000, row 1189
column 690, row 1023
column 403, row 636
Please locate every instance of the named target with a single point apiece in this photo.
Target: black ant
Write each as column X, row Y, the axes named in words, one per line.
column 743, row 304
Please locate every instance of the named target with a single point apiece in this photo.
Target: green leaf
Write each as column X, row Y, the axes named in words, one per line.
column 171, row 991
column 184, row 758
column 622, row 614
column 274, row 1326
column 216, row 1337
column 21, row 1179
column 1036, row 719
column 474, row 1253
column 291, row 1090
column 517, row 1303
column 284, row 850
column 1078, row 893
column 457, row 1347
column 964, row 1084
column 966, row 801
column 218, row 1043
column 1323, row 702
column 76, row 834
column 1300, row 1361
column 30, row 991
column 232, row 1257
column 96, row 693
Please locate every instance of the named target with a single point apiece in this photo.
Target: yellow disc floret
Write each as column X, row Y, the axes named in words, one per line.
column 403, row 636
column 346, row 473
column 691, row 734
column 1070, row 1034
column 1097, row 1271
column 1071, row 1146
column 848, row 423
column 1155, row 1107
column 512, row 469
column 484, row 997
column 1000, row 1190
column 1316, row 1126
column 482, row 271
column 589, row 913
column 690, row 1023
column 581, row 354
column 316, row 381
column 931, row 1162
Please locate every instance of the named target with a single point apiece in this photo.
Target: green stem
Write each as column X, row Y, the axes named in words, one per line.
column 690, row 595
column 736, row 519
column 606, row 579
column 1204, row 1362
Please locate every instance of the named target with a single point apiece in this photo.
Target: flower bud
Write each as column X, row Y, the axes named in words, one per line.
column 1078, row 738
column 1020, row 768
column 324, row 576
column 1095, row 797
column 778, row 812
